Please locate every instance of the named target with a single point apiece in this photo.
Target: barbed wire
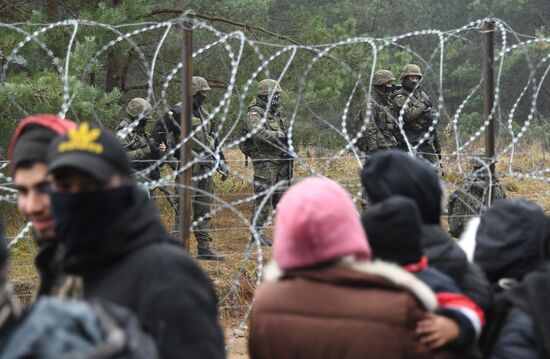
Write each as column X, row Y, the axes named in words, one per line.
column 232, row 208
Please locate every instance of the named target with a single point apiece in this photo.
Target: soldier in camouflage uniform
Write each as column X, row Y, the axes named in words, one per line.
column 418, row 113
column 138, row 144
column 203, row 147
column 270, row 159
column 382, row 131
column 469, row 199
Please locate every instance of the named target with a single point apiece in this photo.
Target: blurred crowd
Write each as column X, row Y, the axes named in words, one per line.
column 389, row 282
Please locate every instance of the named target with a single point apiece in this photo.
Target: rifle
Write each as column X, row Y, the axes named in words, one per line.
column 289, row 158
column 168, row 195
column 221, row 167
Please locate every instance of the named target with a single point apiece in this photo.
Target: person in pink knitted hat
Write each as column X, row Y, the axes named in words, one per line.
column 322, row 296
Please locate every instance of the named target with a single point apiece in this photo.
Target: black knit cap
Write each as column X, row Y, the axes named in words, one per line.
column 32, row 145
column 393, row 230
column 96, row 152
column 392, row 172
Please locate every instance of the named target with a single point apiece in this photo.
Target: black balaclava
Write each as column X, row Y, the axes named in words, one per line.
column 82, row 220
column 198, row 100
column 275, row 101
column 410, row 85
column 393, row 230
column 391, row 172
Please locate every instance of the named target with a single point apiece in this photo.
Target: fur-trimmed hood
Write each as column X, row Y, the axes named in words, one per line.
column 391, row 272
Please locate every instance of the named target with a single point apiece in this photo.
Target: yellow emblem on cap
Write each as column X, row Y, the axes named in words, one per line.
column 82, row 139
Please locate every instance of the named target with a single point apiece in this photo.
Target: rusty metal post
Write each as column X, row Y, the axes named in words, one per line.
column 489, row 98
column 185, row 150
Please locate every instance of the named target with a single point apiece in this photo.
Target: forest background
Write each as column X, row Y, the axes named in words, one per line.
column 105, row 85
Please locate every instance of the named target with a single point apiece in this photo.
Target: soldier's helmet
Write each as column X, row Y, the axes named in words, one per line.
column 382, row 77
column 268, row 86
column 410, row 70
column 138, row 106
column 200, row 84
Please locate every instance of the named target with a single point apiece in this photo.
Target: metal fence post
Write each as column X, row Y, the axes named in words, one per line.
column 187, row 103
column 489, row 98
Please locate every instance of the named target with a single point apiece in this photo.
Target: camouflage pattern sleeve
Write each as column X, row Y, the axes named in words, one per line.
column 371, row 134
column 367, row 141
column 133, row 146
column 254, row 123
column 142, row 153
column 413, row 110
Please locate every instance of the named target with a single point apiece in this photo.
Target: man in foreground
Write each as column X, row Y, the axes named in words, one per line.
column 115, row 241
column 29, row 169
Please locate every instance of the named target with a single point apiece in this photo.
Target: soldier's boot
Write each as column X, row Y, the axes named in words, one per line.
column 206, row 253
column 263, row 241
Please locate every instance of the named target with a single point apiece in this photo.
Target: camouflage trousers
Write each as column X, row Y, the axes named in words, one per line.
column 426, row 151
column 266, row 175
column 201, row 203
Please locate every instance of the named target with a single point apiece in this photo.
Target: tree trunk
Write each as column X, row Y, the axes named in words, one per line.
column 112, row 76
column 52, row 10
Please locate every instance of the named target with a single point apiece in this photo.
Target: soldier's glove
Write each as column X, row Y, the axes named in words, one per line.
column 427, row 103
column 280, row 134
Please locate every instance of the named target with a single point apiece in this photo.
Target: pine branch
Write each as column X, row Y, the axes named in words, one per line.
column 246, row 26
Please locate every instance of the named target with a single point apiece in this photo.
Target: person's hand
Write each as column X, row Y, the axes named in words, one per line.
column 437, row 331
column 161, row 148
column 428, row 103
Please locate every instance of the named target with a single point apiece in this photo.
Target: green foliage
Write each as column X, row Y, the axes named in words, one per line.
column 101, row 85
column 43, row 92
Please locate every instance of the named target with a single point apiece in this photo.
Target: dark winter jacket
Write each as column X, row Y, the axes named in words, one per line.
column 352, row 310
column 510, row 240
column 511, row 246
column 445, row 255
column 521, row 323
column 389, row 173
column 143, row 270
column 455, row 305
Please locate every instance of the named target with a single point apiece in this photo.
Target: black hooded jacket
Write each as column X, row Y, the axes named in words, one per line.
column 520, row 321
column 511, row 247
column 510, row 240
column 391, row 172
column 144, row 270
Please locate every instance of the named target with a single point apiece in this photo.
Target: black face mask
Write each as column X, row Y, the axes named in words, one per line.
column 275, row 101
column 410, row 85
column 198, row 99
column 141, row 124
column 83, row 219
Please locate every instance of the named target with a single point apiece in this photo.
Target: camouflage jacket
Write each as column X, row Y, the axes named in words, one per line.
column 141, row 150
column 203, row 140
column 382, row 130
column 468, row 201
column 137, row 144
column 267, row 143
column 417, row 117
